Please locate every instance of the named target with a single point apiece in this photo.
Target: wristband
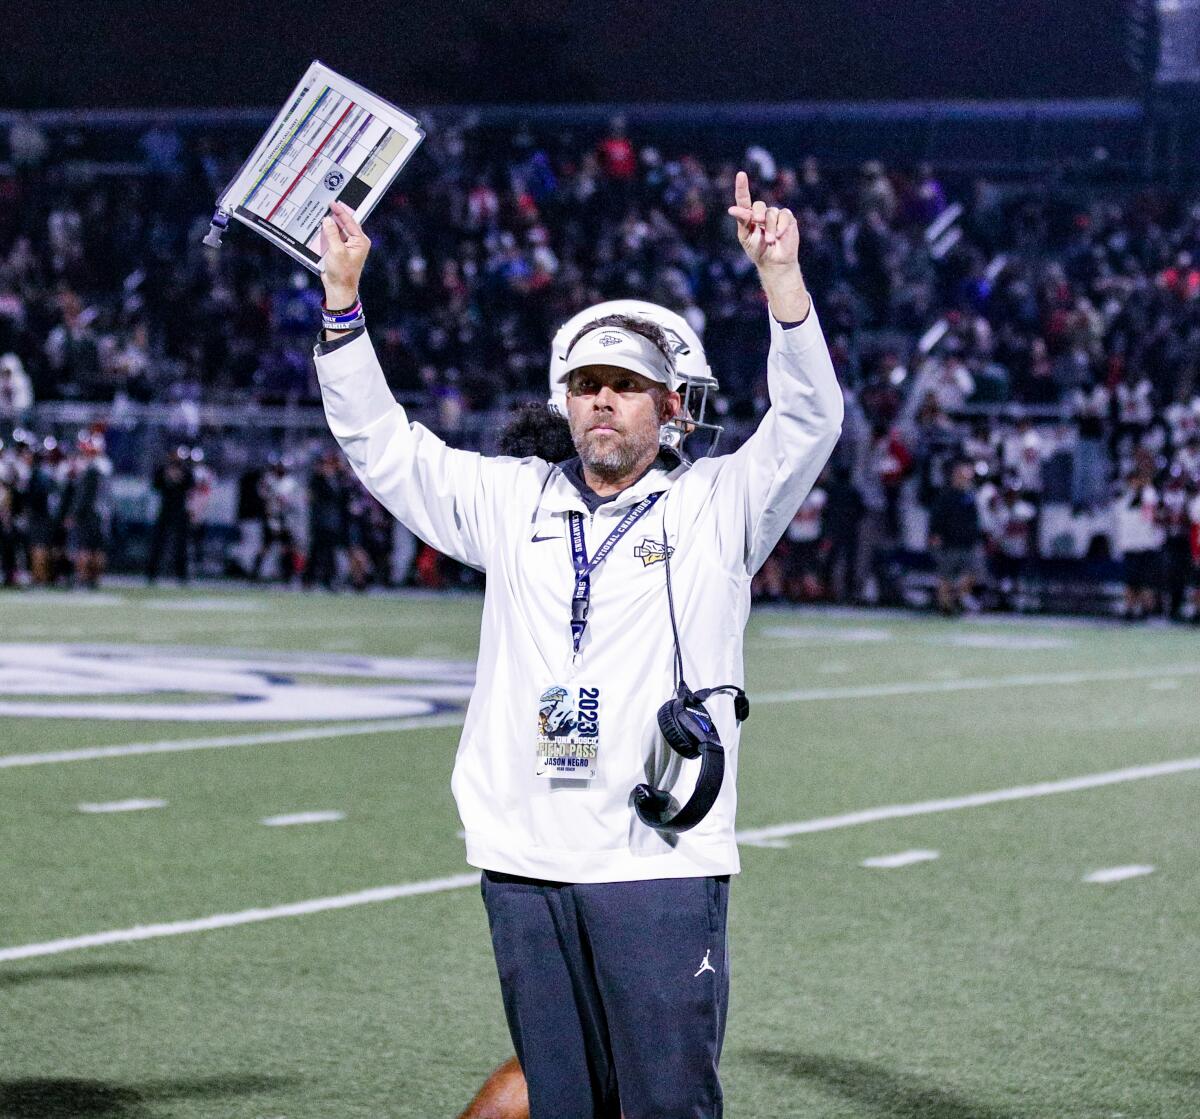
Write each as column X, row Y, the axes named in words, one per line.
column 350, row 318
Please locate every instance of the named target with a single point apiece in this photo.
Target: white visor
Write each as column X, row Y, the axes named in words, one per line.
column 610, row 345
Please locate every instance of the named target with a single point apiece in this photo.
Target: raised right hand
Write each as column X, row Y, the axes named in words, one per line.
column 344, row 247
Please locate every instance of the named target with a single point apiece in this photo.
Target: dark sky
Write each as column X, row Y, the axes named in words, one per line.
column 140, row 54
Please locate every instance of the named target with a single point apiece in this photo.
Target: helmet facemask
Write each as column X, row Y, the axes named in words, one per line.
column 691, row 365
column 691, row 419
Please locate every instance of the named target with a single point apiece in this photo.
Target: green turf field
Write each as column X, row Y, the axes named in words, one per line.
column 991, row 981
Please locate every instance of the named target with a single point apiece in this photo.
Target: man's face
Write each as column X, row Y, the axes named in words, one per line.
column 615, row 416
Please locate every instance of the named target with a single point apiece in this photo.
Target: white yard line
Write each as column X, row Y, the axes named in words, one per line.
column 977, row 683
column 133, row 805
column 1117, row 873
column 245, row 917
column 972, row 800
column 901, row 858
column 182, row 745
column 803, row 695
column 303, row 818
column 755, row 836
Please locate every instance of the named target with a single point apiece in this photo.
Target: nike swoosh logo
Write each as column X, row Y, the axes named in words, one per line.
column 543, row 539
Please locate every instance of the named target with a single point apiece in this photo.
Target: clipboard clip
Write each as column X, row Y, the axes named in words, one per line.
column 218, row 225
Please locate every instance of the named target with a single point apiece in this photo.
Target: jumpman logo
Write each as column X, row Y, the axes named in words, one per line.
column 705, row 966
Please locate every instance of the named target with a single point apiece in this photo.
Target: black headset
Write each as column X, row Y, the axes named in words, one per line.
column 689, row 730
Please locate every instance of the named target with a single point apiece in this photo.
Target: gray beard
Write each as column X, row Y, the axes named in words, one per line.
column 618, row 458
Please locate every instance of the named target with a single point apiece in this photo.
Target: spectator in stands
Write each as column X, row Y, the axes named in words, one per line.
column 1135, row 411
column 618, row 160
column 173, row 482
column 928, row 196
column 1023, row 451
column 1182, row 416
column 1140, row 537
column 954, row 539
column 950, row 381
column 16, row 390
column 1091, row 464
column 27, row 144
column 891, row 461
column 876, row 194
column 937, row 442
column 72, row 351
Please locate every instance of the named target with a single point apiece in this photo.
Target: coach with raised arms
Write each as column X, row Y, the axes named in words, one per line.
column 613, row 578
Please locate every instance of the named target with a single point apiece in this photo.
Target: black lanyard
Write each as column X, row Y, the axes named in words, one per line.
column 581, row 599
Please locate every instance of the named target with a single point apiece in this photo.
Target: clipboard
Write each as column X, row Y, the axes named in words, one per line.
column 332, row 141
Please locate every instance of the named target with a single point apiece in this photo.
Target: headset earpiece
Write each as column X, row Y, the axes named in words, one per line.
column 677, row 725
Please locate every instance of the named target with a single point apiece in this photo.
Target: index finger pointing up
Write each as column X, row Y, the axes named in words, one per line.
column 741, row 190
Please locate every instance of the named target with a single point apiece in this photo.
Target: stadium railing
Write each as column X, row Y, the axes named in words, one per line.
column 990, row 137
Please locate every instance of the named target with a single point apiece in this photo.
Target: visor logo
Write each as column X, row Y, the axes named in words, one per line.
column 610, row 339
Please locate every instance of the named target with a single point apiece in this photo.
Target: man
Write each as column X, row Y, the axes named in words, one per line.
column 10, row 512
column 86, row 507
column 542, row 430
column 1177, row 549
column 1140, row 538
column 199, row 499
column 326, row 521
column 16, row 389
column 954, row 539
column 1010, row 526
column 40, row 498
column 598, row 919
column 173, row 479
column 280, row 492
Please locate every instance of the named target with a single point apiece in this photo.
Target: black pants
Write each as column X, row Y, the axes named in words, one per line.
column 8, row 555
column 1178, row 555
column 322, row 560
column 174, row 529
column 615, row 993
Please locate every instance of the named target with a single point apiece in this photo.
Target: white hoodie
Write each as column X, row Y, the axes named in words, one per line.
column 508, row 517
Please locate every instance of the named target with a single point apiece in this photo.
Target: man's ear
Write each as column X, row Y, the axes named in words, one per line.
column 669, row 406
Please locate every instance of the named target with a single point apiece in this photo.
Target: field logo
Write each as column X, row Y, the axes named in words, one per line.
column 194, row 685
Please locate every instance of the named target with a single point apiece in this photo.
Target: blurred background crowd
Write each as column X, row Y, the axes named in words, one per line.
column 1019, row 356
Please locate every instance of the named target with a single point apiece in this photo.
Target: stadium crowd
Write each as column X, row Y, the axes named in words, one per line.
column 1057, row 369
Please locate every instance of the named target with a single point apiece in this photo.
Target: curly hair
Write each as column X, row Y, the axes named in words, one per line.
column 538, row 431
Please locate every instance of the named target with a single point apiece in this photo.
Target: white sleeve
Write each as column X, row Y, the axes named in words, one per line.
column 440, row 494
column 768, row 477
